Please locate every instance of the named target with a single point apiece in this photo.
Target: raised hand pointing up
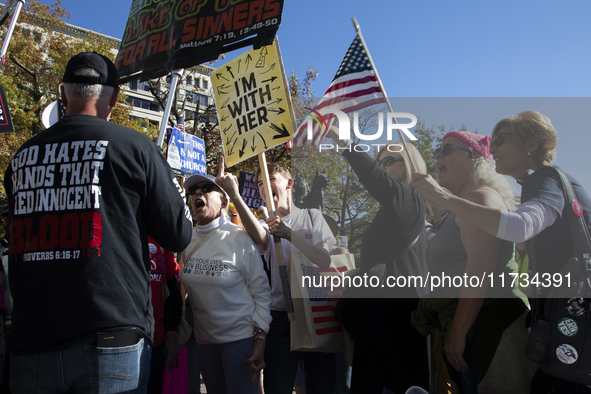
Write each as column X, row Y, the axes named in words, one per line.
column 227, row 181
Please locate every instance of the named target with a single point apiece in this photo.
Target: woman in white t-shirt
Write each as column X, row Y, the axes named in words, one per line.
column 229, row 294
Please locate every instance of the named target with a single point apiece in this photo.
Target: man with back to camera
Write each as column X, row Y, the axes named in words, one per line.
column 83, row 197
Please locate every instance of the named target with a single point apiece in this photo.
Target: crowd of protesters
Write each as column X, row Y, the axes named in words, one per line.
column 90, row 290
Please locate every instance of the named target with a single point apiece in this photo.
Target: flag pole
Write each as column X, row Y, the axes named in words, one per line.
column 17, row 11
column 375, row 70
column 176, row 74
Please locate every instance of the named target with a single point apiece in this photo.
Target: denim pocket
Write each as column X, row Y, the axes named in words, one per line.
column 116, row 369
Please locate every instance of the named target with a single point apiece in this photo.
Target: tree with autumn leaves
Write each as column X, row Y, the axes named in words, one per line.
column 34, row 65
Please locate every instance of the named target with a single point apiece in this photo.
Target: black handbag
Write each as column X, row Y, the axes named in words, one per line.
column 560, row 339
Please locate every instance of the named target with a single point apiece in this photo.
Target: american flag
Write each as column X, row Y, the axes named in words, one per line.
column 323, row 300
column 355, row 86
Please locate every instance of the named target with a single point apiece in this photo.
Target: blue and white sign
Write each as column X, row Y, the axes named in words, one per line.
column 186, row 154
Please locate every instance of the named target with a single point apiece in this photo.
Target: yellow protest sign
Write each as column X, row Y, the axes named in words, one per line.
column 253, row 103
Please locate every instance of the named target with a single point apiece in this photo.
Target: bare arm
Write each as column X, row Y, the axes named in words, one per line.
column 482, row 250
column 486, row 218
column 317, row 254
column 229, row 183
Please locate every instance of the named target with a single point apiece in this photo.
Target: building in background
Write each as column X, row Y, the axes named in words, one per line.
column 194, row 93
column 194, row 98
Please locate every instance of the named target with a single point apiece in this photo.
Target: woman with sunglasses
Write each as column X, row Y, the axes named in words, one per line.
column 475, row 322
column 229, row 293
column 521, row 147
column 388, row 350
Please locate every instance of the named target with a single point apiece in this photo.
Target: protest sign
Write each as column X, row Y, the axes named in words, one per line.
column 6, row 125
column 186, row 154
column 249, row 190
column 253, row 103
column 165, row 35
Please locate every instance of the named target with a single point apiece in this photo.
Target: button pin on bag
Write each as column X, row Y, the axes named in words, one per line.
column 568, row 326
column 576, row 306
column 567, row 354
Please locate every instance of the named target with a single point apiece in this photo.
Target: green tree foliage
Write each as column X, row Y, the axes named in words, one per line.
column 428, row 139
column 302, row 96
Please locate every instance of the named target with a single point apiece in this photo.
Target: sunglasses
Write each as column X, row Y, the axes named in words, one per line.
column 388, row 161
column 208, row 187
column 446, row 149
column 498, row 141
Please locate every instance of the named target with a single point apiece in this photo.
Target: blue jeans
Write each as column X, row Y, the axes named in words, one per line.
column 224, row 369
column 299, row 380
column 193, row 367
column 343, row 381
column 192, row 360
column 282, row 364
column 83, row 368
column 468, row 378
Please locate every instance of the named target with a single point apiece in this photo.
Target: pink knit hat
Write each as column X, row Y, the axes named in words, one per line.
column 479, row 143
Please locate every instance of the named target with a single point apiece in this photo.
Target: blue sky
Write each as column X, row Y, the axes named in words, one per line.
column 428, row 48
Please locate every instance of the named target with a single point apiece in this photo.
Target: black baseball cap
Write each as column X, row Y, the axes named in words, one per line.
column 102, row 64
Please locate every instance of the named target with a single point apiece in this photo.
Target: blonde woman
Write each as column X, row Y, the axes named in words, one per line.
column 388, row 350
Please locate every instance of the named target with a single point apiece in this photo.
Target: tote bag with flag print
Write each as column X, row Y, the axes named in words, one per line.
column 316, row 328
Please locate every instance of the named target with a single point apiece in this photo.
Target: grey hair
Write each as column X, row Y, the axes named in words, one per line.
column 80, row 91
column 484, row 174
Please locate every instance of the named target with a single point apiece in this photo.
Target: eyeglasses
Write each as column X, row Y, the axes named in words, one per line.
column 206, row 188
column 498, row 141
column 388, row 161
column 446, row 149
